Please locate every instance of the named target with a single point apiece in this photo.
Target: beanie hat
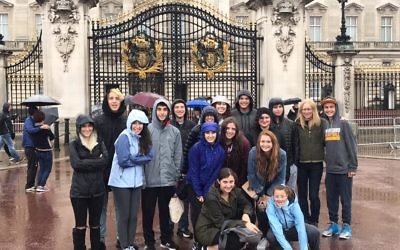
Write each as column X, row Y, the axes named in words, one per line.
column 220, row 98
column 261, row 111
column 328, row 99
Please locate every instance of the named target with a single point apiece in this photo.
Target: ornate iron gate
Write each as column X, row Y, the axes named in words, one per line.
column 320, row 76
column 24, row 79
column 177, row 49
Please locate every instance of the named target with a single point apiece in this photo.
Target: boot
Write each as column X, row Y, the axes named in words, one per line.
column 78, row 236
column 95, row 238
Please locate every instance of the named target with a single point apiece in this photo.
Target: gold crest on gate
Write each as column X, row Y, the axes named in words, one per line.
column 142, row 55
column 210, row 55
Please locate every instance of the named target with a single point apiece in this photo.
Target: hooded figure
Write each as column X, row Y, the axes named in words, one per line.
column 194, row 135
column 185, row 125
column 6, row 126
column 245, row 118
column 88, row 156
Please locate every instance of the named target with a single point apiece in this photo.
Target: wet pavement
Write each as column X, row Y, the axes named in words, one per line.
column 44, row 220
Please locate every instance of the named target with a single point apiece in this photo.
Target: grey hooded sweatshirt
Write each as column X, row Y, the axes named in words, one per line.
column 164, row 169
column 246, row 120
column 340, row 146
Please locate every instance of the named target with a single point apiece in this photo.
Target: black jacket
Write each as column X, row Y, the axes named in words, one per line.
column 5, row 120
column 87, row 179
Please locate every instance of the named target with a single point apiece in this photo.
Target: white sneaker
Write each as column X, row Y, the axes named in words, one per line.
column 41, row 189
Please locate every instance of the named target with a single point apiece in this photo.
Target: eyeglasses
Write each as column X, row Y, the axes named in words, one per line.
column 306, row 110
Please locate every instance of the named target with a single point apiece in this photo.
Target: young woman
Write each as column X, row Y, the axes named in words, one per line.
column 88, row 156
column 206, row 158
column 224, row 202
column 287, row 222
column 309, row 146
column 237, row 149
column 44, row 150
column 132, row 151
column 221, row 104
column 266, row 169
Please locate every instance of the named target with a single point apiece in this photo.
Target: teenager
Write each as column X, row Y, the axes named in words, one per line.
column 88, row 156
column 341, row 166
column 221, row 104
column 244, row 112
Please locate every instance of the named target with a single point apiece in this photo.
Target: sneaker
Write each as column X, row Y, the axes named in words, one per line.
column 346, row 232
column 149, row 247
column 41, row 189
column 169, row 245
column 196, row 245
column 31, row 189
column 185, row 233
column 332, row 229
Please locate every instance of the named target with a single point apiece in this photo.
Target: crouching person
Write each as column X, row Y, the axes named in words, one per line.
column 287, row 222
column 224, row 202
column 88, row 156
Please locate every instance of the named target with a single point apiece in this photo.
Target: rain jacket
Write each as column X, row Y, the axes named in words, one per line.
column 127, row 170
column 245, row 120
column 29, row 129
column 285, row 218
column 164, row 168
column 216, row 210
column 110, row 125
column 5, row 120
column 205, row 161
column 340, row 146
column 259, row 184
column 88, row 164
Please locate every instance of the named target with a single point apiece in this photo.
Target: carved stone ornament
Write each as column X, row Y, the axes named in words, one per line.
column 347, row 84
column 210, row 55
column 142, row 55
column 64, row 14
column 285, row 15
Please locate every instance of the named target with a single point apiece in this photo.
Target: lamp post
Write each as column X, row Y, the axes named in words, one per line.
column 343, row 38
column 1, row 40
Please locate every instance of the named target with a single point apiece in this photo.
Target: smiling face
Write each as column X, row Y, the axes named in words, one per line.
column 86, row 130
column 266, row 143
column 209, row 118
column 264, row 121
column 137, row 127
column 221, row 107
column 179, row 110
column 230, row 131
column 162, row 112
column 329, row 109
column 226, row 184
column 307, row 112
column 113, row 101
column 244, row 103
column 210, row 136
column 280, row 198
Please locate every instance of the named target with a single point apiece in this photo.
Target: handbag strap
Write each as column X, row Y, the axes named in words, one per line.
column 223, row 237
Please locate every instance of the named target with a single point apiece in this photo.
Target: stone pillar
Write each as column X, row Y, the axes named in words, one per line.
column 342, row 58
column 65, row 49
column 3, row 63
column 282, row 60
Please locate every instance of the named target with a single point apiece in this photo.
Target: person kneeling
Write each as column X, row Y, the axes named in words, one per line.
column 287, row 222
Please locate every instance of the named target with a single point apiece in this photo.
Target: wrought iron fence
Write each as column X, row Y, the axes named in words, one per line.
column 378, row 138
column 176, row 28
column 24, row 79
column 319, row 76
column 377, row 88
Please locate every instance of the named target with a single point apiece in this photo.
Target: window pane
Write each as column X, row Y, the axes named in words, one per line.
column 4, row 25
column 315, row 28
column 386, row 29
column 38, row 23
column 351, row 25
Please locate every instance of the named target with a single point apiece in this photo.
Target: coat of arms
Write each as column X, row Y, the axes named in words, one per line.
column 210, row 55
column 142, row 55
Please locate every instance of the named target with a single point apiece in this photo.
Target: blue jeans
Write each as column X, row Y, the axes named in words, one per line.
column 45, row 162
column 6, row 139
column 103, row 218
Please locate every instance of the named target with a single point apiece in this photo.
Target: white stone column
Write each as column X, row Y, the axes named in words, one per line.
column 344, row 81
column 3, row 82
column 282, row 62
column 65, row 54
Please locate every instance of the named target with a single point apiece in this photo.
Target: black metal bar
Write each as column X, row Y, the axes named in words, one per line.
column 56, row 136
column 66, row 129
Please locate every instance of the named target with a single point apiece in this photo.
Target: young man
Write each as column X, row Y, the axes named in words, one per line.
column 244, row 112
column 5, row 133
column 109, row 125
column 285, row 126
column 162, row 174
column 180, row 121
column 341, row 167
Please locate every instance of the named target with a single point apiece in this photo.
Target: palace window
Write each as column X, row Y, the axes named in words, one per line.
column 4, row 25
column 351, row 25
column 315, row 28
column 38, row 23
column 386, row 28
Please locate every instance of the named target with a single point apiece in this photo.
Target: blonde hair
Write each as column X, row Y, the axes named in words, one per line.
column 117, row 92
column 315, row 120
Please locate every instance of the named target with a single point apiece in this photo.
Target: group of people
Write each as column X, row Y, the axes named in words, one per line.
column 141, row 160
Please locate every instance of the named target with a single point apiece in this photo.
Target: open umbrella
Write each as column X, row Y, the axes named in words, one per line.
column 50, row 115
column 145, row 99
column 293, row 100
column 40, row 100
column 197, row 103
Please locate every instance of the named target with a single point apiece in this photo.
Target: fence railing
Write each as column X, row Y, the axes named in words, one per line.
column 378, row 138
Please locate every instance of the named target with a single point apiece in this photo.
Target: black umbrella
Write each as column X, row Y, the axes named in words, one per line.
column 51, row 115
column 293, row 100
column 40, row 100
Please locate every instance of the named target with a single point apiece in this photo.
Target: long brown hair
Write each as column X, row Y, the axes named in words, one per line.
column 267, row 164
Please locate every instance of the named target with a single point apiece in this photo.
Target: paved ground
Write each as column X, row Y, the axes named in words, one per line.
column 44, row 221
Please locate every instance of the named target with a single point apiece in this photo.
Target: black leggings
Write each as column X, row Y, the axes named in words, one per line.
column 232, row 242
column 81, row 207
